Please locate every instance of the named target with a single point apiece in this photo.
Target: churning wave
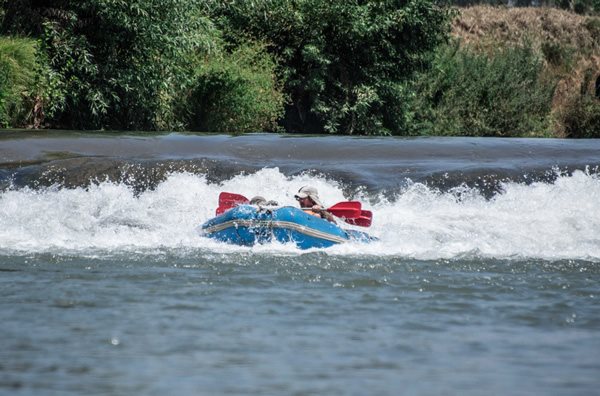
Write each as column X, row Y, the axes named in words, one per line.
column 542, row 220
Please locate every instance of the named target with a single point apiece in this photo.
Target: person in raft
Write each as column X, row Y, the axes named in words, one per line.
column 308, row 198
column 261, row 201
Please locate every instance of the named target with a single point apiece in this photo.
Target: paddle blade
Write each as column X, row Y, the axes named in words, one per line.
column 364, row 220
column 230, row 200
column 347, row 210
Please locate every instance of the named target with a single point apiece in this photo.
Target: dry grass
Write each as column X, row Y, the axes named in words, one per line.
column 482, row 25
column 487, row 27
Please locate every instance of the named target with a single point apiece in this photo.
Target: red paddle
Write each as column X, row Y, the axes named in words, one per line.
column 364, row 220
column 230, row 200
column 346, row 210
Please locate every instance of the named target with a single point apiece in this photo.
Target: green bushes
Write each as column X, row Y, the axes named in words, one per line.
column 475, row 94
column 129, row 73
column 17, row 80
column 130, row 64
column 236, row 92
column 347, row 67
column 342, row 61
column 581, row 115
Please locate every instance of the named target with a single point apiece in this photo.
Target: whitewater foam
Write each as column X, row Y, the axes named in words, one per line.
column 553, row 221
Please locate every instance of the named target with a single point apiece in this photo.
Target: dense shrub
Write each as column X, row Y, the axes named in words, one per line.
column 593, row 26
column 581, row 116
column 586, row 7
column 558, row 55
column 236, row 92
column 130, row 73
column 343, row 61
column 122, row 64
column 29, row 88
column 17, row 80
column 476, row 94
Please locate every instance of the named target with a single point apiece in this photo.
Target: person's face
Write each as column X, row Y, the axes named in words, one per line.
column 304, row 202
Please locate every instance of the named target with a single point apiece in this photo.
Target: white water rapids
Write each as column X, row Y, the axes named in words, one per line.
column 550, row 221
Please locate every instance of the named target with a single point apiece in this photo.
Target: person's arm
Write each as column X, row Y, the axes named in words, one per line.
column 324, row 214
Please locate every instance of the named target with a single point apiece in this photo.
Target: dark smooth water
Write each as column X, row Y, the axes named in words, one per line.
column 107, row 289
column 376, row 164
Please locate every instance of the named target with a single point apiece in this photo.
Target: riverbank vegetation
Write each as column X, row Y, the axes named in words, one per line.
column 567, row 45
column 17, row 62
column 310, row 66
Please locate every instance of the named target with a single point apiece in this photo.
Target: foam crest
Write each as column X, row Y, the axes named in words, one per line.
column 553, row 221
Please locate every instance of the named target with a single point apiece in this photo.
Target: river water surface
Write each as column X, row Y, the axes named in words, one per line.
column 485, row 278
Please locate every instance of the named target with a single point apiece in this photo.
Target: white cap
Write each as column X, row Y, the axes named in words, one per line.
column 311, row 192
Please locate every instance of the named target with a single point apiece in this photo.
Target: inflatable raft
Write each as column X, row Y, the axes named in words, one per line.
column 248, row 225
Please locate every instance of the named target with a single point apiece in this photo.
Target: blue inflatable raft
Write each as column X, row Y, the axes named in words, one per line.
column 247, row 225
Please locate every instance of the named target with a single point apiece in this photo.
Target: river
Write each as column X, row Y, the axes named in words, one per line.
column 485, row 278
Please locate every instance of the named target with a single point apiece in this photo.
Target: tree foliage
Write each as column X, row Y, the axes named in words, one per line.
column 377, row 67
column 129, row 64
column 122, row 63
column 129, row 73
column 343, row 61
